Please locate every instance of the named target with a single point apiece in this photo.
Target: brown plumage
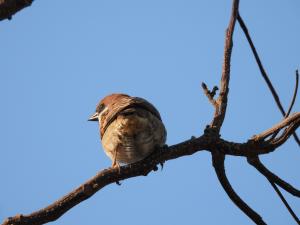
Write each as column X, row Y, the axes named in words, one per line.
column 130, row 128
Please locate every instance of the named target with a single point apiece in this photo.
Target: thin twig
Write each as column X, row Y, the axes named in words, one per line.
column 294, row 95
column 256, row 163
column 210, row 94
column 287, row 132
column 273, row 179
column 218, row 163
column 292, row 120
column 292, row 102
column 263, row 72
column 285, row 202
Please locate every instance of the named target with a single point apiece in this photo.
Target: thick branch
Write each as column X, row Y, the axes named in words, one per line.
column 224, row 86
column 218, row 163
column 208, row 142
column 9, row 7
column 105, row 177
column 263, row 72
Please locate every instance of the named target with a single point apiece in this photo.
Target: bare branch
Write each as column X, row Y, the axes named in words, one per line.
column 292, row 121
column 292, row 102
column 257, row 145
column 294, row 95
column 208, row 142
column 9, row 7
column 105, row 177
column 255, row 162
column 218, row 163
column 210, row 94
column 273, row 179
column 263, row 72
column 224, row 86
column 285, row 202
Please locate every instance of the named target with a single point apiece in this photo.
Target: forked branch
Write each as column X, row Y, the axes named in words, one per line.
column 264, row 73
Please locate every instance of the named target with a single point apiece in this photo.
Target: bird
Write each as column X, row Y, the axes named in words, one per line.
column 131, row 128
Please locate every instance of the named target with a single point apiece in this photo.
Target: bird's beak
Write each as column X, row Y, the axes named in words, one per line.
column 94, row 117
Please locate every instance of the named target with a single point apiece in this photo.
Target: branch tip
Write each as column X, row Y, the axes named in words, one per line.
column 263, row 71
column 221, row 102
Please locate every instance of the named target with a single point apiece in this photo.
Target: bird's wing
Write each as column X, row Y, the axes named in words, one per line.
column 143, row 103
column 123, row 103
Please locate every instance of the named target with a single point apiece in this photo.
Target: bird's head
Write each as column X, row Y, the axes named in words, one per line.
column 106, row 105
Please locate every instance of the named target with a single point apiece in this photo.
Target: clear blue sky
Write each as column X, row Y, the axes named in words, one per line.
column 60, row 57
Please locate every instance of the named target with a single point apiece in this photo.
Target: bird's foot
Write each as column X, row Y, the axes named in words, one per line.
column 160, row 150
column 115, row 165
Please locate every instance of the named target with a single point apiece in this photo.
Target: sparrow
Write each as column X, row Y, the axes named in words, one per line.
column 131, row 128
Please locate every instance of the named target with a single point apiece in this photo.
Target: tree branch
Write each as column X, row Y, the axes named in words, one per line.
column 224, row 86
column 257, row 145
column 9, row 7
column 210, row 94
column 256, row 163
column 293, row 214
column 294, row 95
column 208, row 142
column 291, row 121
column 292, row 102
column 218, row 163
column 263, row 72
column 273, row 179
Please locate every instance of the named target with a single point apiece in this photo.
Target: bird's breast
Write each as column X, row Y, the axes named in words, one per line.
column 133, row 135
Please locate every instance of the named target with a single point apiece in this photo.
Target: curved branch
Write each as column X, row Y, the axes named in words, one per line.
column 273, row 179
column 9, row 7
column 256, row 163
column 257, row 144
column 292, row 121
column 263, row 72
column 286, row 204
column 218, row 163
column 292, row 102
column 294, row 95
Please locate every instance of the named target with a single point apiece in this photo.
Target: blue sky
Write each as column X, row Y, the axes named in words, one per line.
column 60, row 57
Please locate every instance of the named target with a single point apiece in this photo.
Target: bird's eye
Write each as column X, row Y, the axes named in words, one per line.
column 100, row 107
